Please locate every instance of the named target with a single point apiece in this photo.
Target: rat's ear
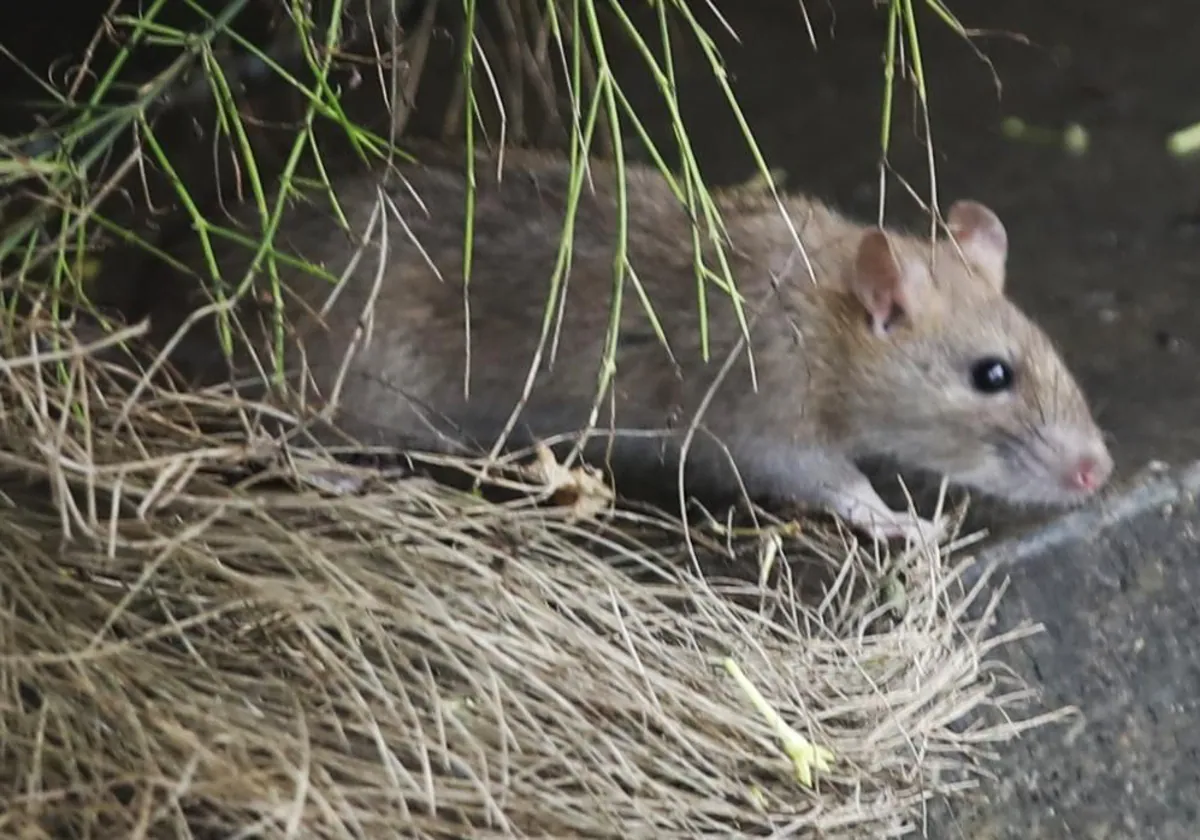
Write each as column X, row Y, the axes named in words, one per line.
column 982, row 237
column 881, row 282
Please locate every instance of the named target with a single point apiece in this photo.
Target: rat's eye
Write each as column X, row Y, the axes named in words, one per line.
column 991, row 375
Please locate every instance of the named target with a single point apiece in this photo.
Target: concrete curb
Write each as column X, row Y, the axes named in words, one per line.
column 1159, row 485
column 1116, row 589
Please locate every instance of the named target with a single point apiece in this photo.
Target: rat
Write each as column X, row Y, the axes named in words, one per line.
column 863, row 341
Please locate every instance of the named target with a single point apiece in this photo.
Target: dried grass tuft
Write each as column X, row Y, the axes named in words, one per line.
column 204, row 655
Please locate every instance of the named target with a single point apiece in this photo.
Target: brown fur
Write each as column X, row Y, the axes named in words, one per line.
column 868, row 355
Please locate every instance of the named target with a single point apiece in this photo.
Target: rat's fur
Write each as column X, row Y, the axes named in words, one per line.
column 869, row 354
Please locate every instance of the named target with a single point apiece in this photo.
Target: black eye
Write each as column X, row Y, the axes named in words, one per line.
column 991, row 375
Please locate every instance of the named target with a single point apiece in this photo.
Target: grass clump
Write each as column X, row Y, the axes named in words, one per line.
column 220, row 651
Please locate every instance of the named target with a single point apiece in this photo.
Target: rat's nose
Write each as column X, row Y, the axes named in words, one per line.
column 1090, row 472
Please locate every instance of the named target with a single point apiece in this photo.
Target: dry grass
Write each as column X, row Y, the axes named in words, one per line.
column 232, row 659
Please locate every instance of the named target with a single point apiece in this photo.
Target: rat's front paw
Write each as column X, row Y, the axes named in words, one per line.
column 859, row 506
column 894, row 525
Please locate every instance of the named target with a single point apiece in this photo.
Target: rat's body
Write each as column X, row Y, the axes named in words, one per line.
column 873, row 354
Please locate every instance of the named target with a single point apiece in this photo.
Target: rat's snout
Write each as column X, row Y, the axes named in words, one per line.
column 1089, row 471
column 1062, row 465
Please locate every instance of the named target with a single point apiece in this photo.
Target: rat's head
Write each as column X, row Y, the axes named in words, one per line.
column 955, row 379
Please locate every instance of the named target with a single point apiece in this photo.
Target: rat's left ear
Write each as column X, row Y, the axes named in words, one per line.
column 887, row 286
column 982, row 237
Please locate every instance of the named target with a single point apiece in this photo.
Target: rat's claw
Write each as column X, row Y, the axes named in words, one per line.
column 863, row 510
column 904, row 526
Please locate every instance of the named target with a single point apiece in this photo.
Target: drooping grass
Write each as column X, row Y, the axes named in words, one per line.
column 574, row 44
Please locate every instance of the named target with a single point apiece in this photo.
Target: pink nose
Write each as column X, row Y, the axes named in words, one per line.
column 1090, row 473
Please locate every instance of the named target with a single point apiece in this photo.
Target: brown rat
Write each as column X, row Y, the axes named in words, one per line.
column 891, row 346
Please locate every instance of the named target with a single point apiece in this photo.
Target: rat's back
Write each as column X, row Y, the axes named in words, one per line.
column 436, row 360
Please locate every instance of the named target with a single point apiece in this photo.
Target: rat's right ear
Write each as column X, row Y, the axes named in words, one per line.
column 982, row 237
column 880, row 282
